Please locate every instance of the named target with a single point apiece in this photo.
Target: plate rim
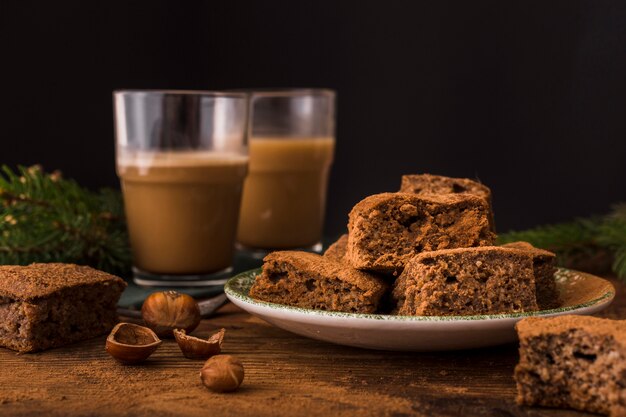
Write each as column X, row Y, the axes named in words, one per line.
column 231, row 290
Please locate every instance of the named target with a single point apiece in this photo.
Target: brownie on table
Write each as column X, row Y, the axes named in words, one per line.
column 386, row 230
column 438, row 184
column 572, row 362
column 544, row 265
column 466, row 281
column 309, row 280
column 49, row 305
column 337, row 251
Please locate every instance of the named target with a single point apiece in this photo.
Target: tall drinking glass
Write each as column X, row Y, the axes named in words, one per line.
column 182, row 157
column 292, row 140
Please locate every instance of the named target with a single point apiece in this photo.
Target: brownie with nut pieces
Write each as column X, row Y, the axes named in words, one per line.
column 572, row 362
column 439, row 184
column 50, row 305
column 466, row 281
column 312, row 281
column 386, row 230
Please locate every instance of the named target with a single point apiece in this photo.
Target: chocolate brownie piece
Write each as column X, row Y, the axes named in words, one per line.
column 438, row 184
column 466, row 281
column 308, row 280
column 544, row 265
column 386, row 230
column 50, row 305
column 337, row 251
column 572, row 362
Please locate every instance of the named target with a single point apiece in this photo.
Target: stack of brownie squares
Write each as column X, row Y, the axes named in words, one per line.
column 428, row 249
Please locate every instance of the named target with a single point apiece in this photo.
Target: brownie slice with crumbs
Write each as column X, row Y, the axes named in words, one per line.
column 386, row 230
column 466, row 281
column 49, row 305
column 544, row 265
column 438, row 184
column 572, row 362
column 308, row 280
column 337, row 251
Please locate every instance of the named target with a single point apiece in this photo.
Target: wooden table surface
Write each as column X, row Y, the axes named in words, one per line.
column 285, row 375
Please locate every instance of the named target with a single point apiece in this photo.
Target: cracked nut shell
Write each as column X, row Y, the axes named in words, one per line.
column 130, row 343
column 196, row 348
column 222, row 373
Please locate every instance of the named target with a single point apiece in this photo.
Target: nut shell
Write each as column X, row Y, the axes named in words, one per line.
column 168, row 310
column 222, row 373
column 196, row 348
column 130, row 343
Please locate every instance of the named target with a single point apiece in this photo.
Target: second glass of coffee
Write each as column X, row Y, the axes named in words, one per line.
column 182, row 158
column 292, row 140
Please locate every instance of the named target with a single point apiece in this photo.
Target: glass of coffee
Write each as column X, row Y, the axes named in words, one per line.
column 182, row 158
column 291, row 135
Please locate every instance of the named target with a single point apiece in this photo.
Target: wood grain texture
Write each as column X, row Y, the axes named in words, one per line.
column 286, row 375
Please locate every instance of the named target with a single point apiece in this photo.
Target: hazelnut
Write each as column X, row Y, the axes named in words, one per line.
column 168, row 310
column 222, row 373
column 130, row 343
column 195, row 348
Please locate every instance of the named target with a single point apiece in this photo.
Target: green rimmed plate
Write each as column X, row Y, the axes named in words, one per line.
column 581, row 293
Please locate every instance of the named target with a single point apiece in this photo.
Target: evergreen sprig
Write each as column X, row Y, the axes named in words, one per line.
column 597, row 238
column 46, row 218
column 613, row 236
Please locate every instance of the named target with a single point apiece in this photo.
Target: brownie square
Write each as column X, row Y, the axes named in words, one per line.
column 386, row 230
column 308, row 280
column 572, row 362
column 49, row 305
column 437, row 184
column 466, row 281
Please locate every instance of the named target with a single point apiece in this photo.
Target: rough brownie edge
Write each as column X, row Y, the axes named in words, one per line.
column 572, row 362
column 537, row 252
column 537, row 326
column 39, row 280
column 466, row 281
column 78, row 303
column 544, row 265
column 386, row 230
column 337, row 251
column 312, row 281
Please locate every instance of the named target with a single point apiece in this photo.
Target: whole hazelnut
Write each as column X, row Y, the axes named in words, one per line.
column 168, row 310
column 222, row 373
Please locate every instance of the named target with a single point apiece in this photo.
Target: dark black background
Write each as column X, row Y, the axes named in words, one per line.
column 528, row 96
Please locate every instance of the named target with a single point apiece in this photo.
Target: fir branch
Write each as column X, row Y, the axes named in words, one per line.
column 612, row 235
column 46, row 218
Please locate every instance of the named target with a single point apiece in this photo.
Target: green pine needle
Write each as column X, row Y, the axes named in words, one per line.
column 46, row 218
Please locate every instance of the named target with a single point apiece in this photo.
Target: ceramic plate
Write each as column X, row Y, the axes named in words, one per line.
column 581, row 293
